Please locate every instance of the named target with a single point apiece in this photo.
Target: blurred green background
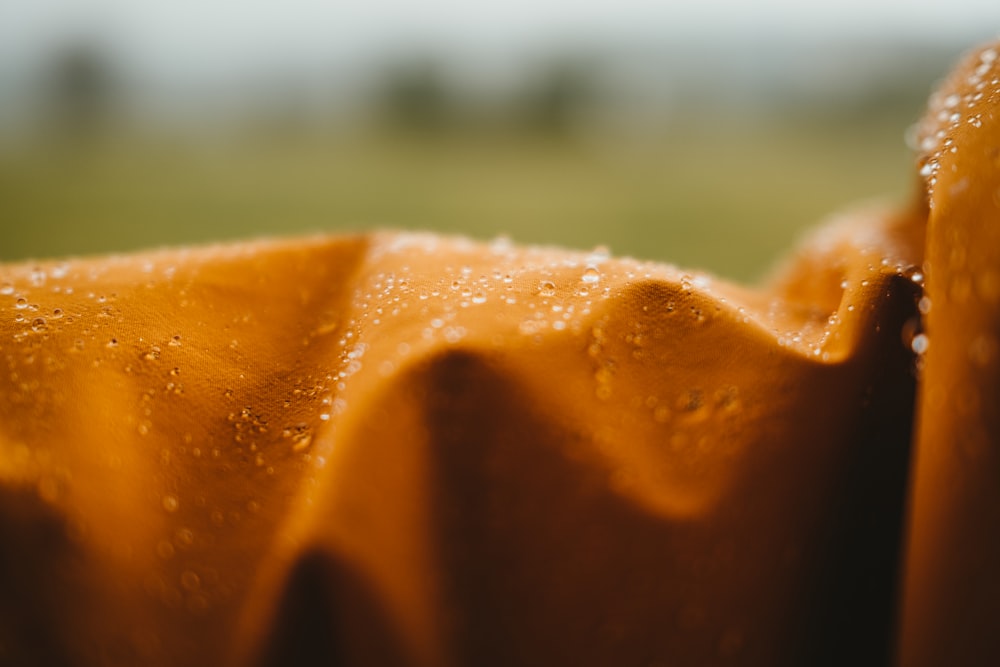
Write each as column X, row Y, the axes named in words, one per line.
column 673, row 141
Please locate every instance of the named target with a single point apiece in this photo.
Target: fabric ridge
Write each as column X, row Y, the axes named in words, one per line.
column 410, row 449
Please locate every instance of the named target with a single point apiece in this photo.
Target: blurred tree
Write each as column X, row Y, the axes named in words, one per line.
column 80, row 93
column 556, row 101
column 415, row 98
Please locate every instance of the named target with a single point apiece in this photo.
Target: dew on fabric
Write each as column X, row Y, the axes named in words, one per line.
column 37, row 277
column 661, row 414
column 190, row 580
column 547, row 288
column 599, row 254
column 170, row 503
column 165, row 550
column 591, row 275
column 184, row 537
column 983, row 350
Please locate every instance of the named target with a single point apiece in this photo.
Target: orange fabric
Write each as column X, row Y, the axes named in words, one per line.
column 952, row 592
column 411, row 450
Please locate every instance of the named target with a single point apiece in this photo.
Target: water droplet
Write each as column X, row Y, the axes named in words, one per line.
column 924, row 305
column 661, row 414
column 920, row 343
column 547, row 288
column 153, row 354
column 479, row 297
column 170, row 503
column 454, row 334
column 38, row 324
column 184, row 537
column 165, row 549
column 591, row 275
column 113, row 342
column 983, row 350
column 6, row 289
column 190, row 580
column 302, row 442
column 989, row 285
column 21, row 303
column 175, row 341
column 599, row 254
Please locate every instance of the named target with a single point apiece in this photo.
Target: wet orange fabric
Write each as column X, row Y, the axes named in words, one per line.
column 398, row 449
column 951, row 613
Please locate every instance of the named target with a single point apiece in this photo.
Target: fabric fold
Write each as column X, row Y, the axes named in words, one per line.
column 951, row 588
column 399, row 449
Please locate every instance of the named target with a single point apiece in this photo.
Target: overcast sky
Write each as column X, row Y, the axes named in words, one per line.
column 184, row 56
column 193, row 34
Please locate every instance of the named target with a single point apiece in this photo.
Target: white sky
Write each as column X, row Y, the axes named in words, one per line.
column 227, row 33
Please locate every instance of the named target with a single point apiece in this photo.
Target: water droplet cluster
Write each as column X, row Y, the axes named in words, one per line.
column 958, row 107
column 282, row 372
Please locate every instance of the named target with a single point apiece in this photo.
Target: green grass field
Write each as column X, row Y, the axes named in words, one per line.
column 724, row 198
